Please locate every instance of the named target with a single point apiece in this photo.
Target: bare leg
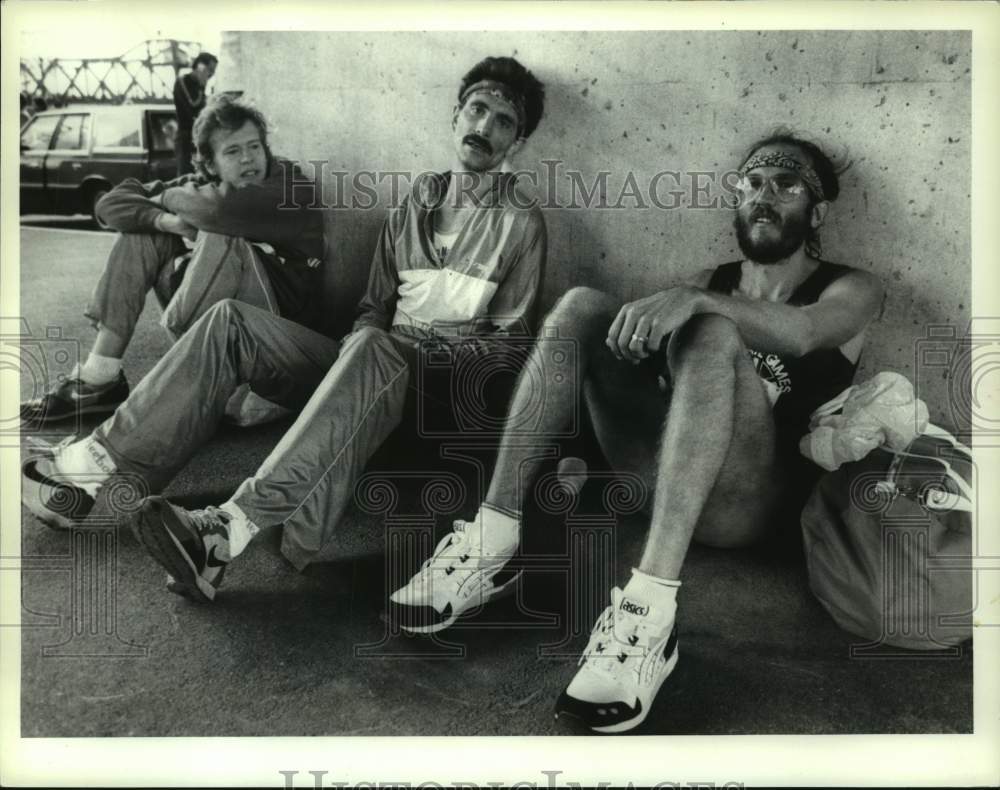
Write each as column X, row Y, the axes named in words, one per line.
column 582, row 316
column 715, row 475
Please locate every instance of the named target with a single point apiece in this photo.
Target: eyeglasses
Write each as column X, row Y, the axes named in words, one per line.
column 784, row 186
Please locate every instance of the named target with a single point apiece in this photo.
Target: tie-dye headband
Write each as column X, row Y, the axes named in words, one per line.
column 500, row 91
column 780, row 159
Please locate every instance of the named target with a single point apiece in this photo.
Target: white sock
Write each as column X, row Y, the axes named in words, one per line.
column 501, row 532
column 85, row 464
column 241, row 529
column 660, row 594
column 99, row 370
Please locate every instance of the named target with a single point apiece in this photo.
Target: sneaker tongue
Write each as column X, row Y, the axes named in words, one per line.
column 634, row 606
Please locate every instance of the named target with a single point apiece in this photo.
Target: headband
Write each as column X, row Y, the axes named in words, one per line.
column 780, row 159
column 498, row 90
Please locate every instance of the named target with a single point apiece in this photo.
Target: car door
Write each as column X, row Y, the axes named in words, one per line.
column 67, row 163
column 118, row 152
column 162, row 129
column 36, row 138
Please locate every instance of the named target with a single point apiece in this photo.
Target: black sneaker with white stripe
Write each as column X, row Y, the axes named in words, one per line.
column 630, row 654
column 73, row 398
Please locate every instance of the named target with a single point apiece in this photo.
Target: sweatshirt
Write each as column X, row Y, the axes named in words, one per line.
column 487, row 284
column 288, row 236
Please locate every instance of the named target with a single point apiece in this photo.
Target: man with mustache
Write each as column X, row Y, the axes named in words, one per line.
column 457, row 266
column 702, row 390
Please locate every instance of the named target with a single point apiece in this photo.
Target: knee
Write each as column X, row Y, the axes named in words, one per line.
column 577, row 306
column 369, row 335
column 705, row 335
column 220, row 317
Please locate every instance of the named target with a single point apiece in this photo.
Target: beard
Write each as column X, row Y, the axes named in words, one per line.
column 794, row 232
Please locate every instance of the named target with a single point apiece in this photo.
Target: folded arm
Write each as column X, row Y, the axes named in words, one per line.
column 136, row 207
column 259, row 212
column 842, row 311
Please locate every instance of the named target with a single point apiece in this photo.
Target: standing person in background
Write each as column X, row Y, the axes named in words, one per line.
column 189, row 98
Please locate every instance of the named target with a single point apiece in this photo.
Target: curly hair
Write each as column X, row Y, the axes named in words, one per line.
column 224, row 111
column 517, row 78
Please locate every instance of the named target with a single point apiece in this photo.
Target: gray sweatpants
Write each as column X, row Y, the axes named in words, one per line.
column 220, row 267
column 353, row 398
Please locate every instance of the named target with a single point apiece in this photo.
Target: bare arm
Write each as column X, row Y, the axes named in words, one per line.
column 843, row 310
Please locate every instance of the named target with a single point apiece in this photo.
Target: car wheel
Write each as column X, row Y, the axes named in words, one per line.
column 95, row 197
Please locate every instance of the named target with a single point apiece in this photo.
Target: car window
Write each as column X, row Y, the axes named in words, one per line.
column 73, row 134
column 163, row 127
column 37, row 135
column 117, row 130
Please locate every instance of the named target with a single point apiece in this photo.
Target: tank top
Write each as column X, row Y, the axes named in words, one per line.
column 795, row 385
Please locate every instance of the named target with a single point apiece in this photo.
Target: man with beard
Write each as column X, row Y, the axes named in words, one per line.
column 713, row 387
column 456, row 271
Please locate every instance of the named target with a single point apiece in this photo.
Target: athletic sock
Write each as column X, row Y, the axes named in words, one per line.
column 99, row 370
column 660, row 594
column 501, row 530
column 85, row 464
column 241, row 529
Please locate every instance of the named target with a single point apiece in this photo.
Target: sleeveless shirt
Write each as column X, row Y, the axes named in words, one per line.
column 795, row 385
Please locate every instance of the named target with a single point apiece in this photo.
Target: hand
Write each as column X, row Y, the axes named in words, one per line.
column 171, row 223
column 640, row 326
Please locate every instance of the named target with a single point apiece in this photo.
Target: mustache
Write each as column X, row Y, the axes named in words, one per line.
column 482, row 142
column 764, row 212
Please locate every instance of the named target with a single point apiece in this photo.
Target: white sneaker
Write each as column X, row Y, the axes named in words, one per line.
column 630, row 653
column 457, row 578
column 245, row 408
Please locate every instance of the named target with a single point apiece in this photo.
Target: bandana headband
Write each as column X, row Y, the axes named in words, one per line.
column 779, row 159
column 498, row 90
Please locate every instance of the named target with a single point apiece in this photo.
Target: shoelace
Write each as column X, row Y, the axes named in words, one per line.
column 210, row 521
column 607, row 655
column 460, row 549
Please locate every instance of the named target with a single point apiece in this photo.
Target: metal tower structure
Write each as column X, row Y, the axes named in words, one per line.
column 144, row 73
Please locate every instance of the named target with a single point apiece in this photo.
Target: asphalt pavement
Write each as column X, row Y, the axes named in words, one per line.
column 107, row 651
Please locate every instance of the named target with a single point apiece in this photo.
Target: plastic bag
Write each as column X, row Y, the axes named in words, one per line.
column 882, row 412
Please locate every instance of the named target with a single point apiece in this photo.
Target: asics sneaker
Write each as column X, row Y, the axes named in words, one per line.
column 52, row 498
column 630, row 653
column 75, row 397
column 457, row 579
column 192, row 545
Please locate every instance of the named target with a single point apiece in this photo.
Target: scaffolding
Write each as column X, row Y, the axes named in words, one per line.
column 145, row 73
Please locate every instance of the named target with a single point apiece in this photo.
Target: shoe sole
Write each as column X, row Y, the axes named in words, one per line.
column 504, row 590
column 629, row 724
column 153, row 533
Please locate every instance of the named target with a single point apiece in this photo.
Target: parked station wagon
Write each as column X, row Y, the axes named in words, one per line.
column 70, row 158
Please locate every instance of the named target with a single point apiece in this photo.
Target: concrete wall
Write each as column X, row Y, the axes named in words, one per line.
column 895, row 103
